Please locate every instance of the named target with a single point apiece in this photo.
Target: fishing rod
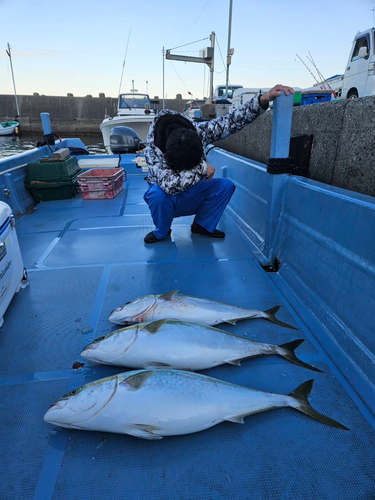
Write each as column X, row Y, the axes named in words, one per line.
column 320, row 75
column 123, row 65
column 308, row 69
column 311, row 60
column 14, row 83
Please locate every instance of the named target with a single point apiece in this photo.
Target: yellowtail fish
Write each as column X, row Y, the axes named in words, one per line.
column 187, row 308
column 182, row 346
column 151, row 404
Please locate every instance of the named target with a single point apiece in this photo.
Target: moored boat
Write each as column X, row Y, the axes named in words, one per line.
column 8, row 128
column 134, row 111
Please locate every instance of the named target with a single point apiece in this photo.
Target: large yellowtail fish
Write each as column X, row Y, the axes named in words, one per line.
column 187, row 308
column 152, row 404
column 182, row 346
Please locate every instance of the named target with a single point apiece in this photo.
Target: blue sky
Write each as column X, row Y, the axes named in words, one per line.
column 79, row 46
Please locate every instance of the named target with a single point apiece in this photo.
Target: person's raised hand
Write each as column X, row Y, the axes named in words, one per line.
column 273, row 93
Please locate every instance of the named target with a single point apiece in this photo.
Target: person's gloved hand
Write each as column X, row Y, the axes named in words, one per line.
column 272, row 93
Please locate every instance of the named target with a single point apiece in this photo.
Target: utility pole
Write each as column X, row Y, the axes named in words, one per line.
column 211, row 66
column 229, row 51
column 14, row 83
column 206, row 56
column 163, row 76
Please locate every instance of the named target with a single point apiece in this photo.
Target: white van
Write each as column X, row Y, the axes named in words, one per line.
column 242, row 95
column 359, row 76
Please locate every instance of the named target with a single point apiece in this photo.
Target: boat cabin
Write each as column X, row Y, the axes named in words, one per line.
column 133, row 104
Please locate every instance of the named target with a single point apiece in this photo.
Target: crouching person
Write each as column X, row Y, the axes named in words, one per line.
column 181, row 182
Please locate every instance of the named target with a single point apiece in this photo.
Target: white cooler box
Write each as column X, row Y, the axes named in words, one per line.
column 11, row 266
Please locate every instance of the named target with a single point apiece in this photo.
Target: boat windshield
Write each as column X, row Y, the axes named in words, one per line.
column 128, row 101
column 222, row 91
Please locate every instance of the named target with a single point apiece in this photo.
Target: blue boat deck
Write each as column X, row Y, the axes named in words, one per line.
column 85, row 258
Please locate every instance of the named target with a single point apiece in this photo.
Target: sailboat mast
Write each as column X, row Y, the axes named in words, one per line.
column 14, row 83
column 229, row 50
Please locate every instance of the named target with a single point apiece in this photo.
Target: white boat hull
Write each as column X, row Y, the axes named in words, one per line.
column 140, row 124
column 7, row 130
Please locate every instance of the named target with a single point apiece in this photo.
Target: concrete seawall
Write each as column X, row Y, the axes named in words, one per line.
column 344, row 132
column 344, row 141
column 69, row 115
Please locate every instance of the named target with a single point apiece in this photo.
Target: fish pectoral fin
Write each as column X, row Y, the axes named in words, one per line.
column 156, row 364
column 154, row 327
column 236, row 362
column 145, row 431
column 168, row 295
column 135, row 382
column 230, row 321
column 234, row 320
column 237, row 419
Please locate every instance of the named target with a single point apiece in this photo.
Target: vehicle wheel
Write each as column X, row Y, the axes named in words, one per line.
column 353, row 94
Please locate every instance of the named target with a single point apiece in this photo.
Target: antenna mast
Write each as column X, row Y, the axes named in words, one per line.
column 14, row 83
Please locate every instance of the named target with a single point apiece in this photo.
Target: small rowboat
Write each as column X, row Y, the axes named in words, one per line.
column 8, row 128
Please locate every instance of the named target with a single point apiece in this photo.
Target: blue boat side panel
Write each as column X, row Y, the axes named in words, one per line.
column 326, row 251
column 323, row 238
column 248, row 205
column 14, row 182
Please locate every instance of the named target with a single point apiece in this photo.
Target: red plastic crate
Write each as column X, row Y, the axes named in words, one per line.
column 101, row 183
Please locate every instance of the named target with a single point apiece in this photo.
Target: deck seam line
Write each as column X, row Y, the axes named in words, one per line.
column 56, row 447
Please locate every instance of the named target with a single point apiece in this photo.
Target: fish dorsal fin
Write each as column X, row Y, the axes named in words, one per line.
column 236, row 362
column 154, row 327
column 137, row 381
column 237, row 419
column 168, row 295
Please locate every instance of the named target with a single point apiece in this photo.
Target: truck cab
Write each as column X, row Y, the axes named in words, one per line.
column 359, row 77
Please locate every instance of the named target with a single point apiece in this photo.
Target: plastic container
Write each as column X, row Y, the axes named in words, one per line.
column 11, row 265
column 50, row 191
column 315, row 96
column 52, row 170
column 101, row 183
column 297, row 96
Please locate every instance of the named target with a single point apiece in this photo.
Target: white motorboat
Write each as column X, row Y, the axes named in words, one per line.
column 134, row 111
column 8, row 128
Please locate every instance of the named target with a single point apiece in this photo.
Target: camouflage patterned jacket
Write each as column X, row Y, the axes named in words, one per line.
column 173, row 182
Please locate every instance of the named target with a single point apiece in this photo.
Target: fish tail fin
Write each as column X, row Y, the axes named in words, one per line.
column 270, row 314
column 287, row 351
column 301, row 403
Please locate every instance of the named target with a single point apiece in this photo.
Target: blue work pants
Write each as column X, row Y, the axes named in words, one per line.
column 206, row 200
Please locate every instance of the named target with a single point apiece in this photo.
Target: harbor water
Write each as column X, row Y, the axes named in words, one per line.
column 12, row 145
